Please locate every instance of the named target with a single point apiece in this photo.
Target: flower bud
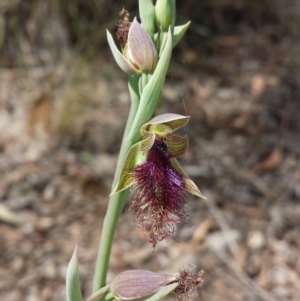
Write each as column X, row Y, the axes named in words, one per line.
column 139, row 54
column 135, row 284
column 165, row 12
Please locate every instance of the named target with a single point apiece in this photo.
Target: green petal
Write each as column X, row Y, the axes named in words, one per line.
column 179, row 31
column 177, row 145
column 123, row 63
column 190, row 185
column 72, row 280
column 147, row 142
column 134, row 157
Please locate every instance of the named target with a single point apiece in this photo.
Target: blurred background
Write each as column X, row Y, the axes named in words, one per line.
column 63, row 107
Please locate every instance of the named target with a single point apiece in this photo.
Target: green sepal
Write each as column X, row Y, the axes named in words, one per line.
column 100, row 293
column 190, row 186
column 179, row 31
column 147, row 14
column 152, row 92
column 72, row 280
column 163, row 292
column 134, row 157
column 120, row 59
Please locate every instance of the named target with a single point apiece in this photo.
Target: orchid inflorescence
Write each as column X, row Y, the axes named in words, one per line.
column 147, row 161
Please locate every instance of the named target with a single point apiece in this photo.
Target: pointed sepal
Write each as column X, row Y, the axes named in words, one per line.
column 134, row 157
column 190, row 186
column 123, row 63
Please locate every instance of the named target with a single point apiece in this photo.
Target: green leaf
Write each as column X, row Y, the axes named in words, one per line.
column 152, row 92
column 163, row 292
column 72, row 281
column 134, row 157
column 147, row 15
column 179, row 31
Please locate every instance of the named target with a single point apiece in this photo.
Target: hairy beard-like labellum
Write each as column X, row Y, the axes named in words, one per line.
column 159, row 199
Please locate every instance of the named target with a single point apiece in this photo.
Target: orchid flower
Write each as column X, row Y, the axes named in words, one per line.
column 159, row 181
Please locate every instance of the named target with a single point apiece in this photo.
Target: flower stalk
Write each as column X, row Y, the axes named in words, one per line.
column 147, row 158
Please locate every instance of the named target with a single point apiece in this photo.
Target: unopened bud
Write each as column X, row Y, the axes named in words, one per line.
column 139, row 54
column 165, row 13
column 135, row 284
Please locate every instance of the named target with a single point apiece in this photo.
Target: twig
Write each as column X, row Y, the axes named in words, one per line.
column 249, row 284
column 221, row 221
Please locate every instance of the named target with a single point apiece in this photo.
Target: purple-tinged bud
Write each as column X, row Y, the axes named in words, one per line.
column 135, row 284
column 139, row 54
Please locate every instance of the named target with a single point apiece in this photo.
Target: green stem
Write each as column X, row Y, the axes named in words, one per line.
column 117, row 201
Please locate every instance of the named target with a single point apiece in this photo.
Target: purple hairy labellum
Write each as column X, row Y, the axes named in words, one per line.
column 159, row 199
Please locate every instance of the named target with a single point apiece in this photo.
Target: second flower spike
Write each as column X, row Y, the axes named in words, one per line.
column 138, row 53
